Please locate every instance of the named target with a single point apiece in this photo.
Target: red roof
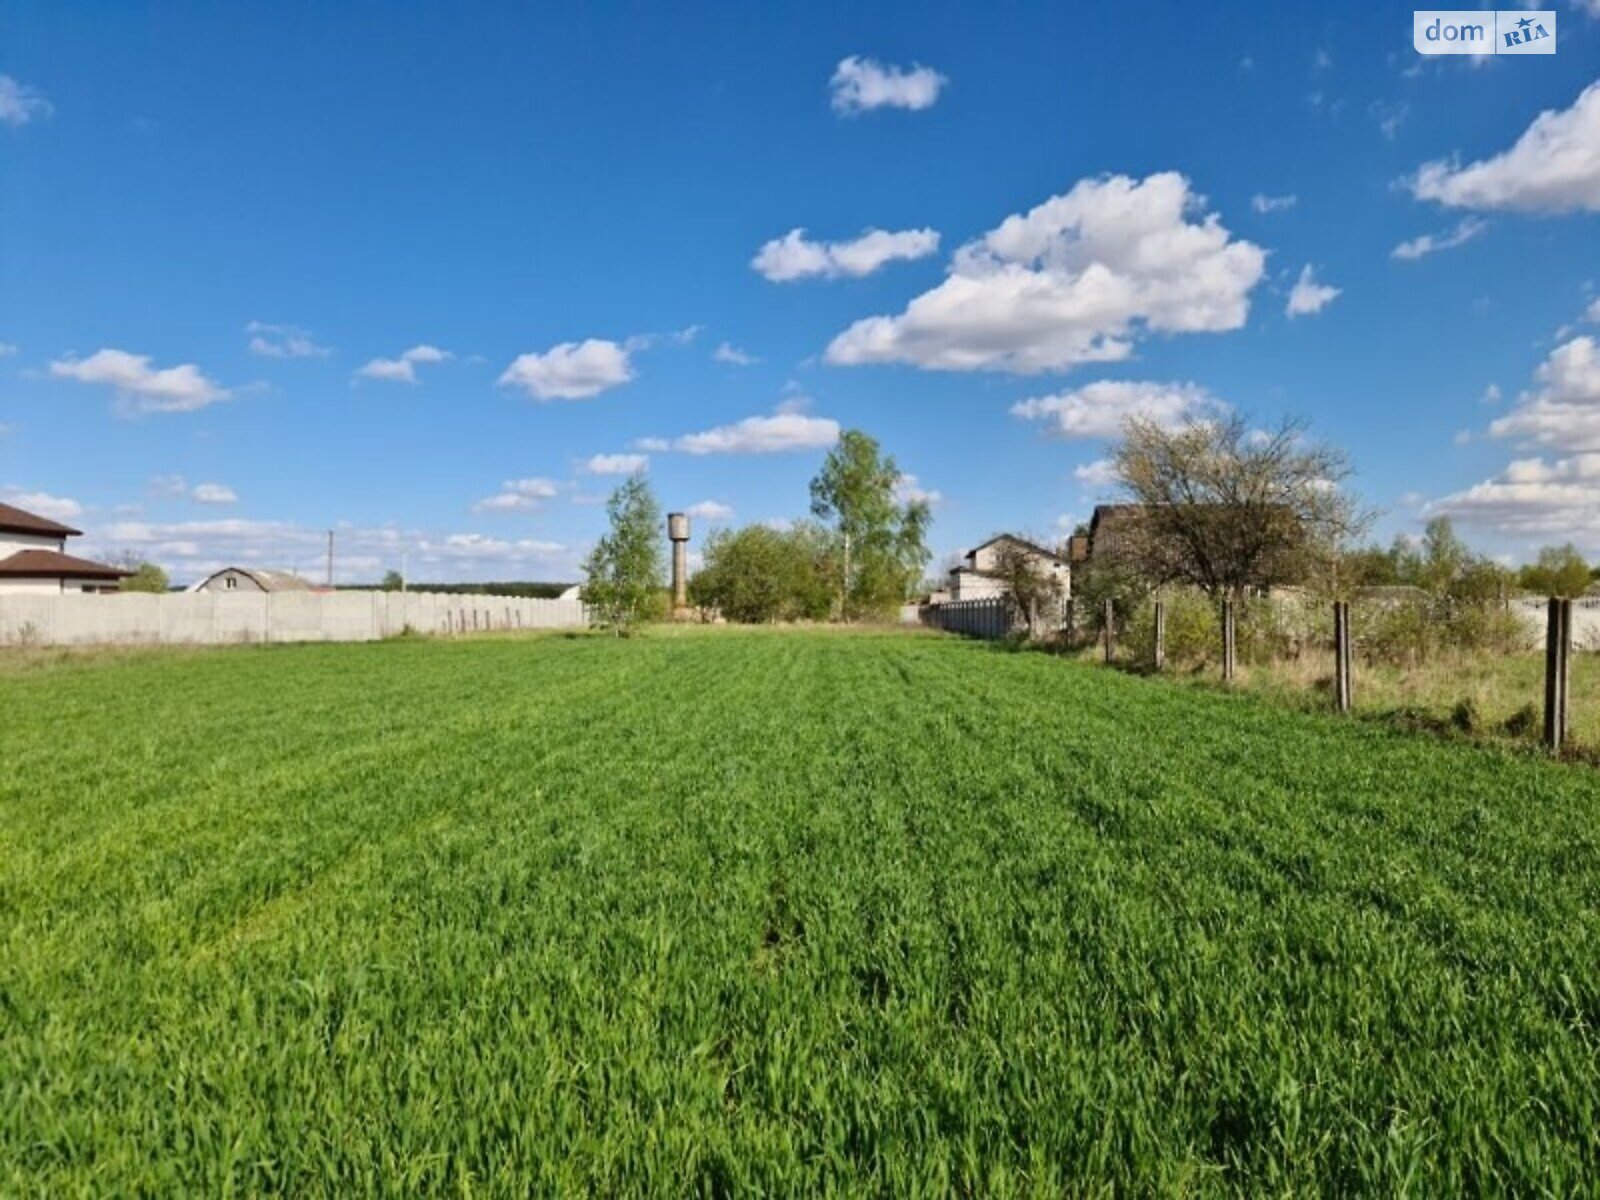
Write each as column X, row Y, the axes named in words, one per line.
column 53, row 565
column 18, row 520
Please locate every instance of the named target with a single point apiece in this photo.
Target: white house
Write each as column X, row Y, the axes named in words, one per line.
column 978, row 577
column 33, row 558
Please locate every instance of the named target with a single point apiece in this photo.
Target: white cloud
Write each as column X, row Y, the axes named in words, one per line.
column 169, row 485
column 571, row 370
column 616, row 464
column 1533, row 498
column 1430, row 243
column 1271, row 204
column 1564, row 409
column 710, row 510
column 908, row 489
column 794, row 256
column 1553, row 167
column 191, row 550
column 517, row 494
column 1102, row 473
column 404, row 368
column 733, row 356
column 20, row 103
column 1308, row 297
column 755, row 435
column 860, row 84
column 214, row 493
column 142, row 387
column 283, row 341
column 7, row 349
column 57, row 508
column 1099, row 409
column 1077, row 279
column 1591, row 314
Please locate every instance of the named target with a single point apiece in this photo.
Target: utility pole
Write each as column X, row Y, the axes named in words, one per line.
column 402, row 570
column 330, row 560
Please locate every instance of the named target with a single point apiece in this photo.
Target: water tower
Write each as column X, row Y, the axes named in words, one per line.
column 678, row 532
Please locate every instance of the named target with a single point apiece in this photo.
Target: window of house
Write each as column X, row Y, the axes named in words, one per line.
column 230, row 583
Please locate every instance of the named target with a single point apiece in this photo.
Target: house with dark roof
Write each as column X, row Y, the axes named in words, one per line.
column 34, row 558
column 979, row 576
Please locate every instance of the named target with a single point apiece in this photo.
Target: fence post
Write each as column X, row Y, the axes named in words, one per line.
column 1343, row 694
column 1072, row 631
column 1557, row 645
column 1160, row 654
column 1229, row 645
column 1111, row 629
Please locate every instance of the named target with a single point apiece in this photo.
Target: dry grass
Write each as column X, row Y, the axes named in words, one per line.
column 1475, row 693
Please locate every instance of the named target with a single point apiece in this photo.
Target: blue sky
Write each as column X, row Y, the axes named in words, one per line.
column 222, row 228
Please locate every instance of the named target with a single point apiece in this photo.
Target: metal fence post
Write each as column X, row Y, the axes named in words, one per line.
column 1342, row 684
column 1557, row 646
column 1111, row 627
column 1229, row 643
column 1160, row 654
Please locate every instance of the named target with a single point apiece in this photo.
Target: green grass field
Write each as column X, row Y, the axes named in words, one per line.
column 773, row 913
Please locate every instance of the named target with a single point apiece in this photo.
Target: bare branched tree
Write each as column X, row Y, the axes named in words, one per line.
column 1230, row 509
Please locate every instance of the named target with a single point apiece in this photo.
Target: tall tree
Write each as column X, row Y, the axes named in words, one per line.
column 626, row 568
column 882, row 541
column 1227, row 508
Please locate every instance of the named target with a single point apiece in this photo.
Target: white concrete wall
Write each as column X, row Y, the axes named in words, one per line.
column 10, row 542
column 31, row 587
column 222, row 617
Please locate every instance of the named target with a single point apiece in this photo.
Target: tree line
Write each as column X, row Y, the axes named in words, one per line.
column 858, row 557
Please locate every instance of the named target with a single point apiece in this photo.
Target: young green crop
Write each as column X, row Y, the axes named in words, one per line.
column 774, row 913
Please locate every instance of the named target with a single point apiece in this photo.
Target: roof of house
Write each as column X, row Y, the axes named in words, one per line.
column 20, row 520
column 267, row 581
column 1021, row 541
column 52, row 564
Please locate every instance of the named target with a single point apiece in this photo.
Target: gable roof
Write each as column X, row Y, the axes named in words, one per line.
column 1011, row 537
column 20, row 520
column 52, row 564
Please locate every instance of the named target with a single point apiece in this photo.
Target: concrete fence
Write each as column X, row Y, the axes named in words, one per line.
column 223, row 617
column 990, row 618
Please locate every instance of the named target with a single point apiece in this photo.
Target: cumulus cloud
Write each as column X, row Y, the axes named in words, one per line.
column 1099, row 409
column 571, row 370
column 1431, row 243
column 1563, row 409
column 1077, row 279
column 404, row 368
column 794, row 256
column 733, row 356
column 1102, row 473
column 191, row 550
column 20, row 103
column 616, row 464
column 710, row 510
column 1309, row 297
column 860, row 84
column 517, row 494
column 285, row 341
column 214, row 493
column 1271, row 204
column 1533, row 498
column 1553, row 167
column 140, row 386
column 776, row 434
column 57, row 508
